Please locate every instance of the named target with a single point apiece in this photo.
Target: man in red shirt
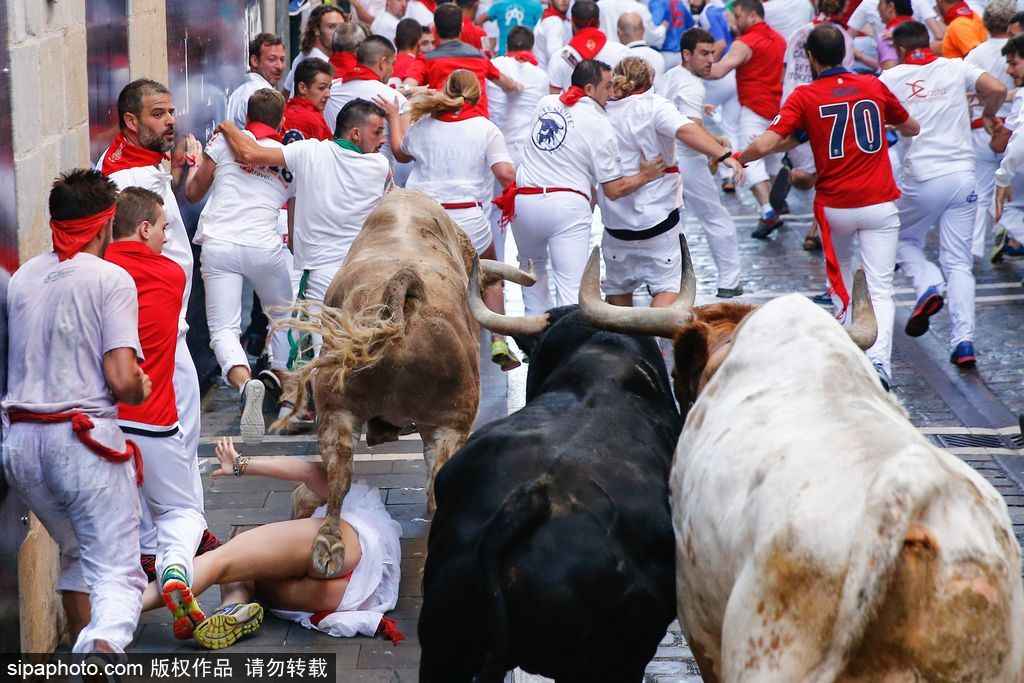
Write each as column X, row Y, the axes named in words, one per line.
column 452, row 54
column 844, row 115
column 471, row 33
column 407, row 45
column 304, row 113
column 757, row 56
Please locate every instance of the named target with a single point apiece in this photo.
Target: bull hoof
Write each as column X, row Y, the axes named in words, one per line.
column 328, row 552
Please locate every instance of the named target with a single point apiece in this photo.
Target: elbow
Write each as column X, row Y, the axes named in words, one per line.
column 613, row 193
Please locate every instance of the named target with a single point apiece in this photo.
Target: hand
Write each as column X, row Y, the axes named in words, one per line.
column 226, row 455
column 1003, row 195
column 518, row 86
column 147, row 386
column 652, row 169
column 723, row 141
column 193, row 150
column 991, row 124
column 709, row 109
column 390, row 108
column 738, row 176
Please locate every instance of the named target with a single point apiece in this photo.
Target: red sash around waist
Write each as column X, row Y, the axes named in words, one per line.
column 460, row 205
column 507, row 201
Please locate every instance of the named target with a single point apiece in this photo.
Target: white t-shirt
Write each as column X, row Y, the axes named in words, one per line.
column 686, row 92
column 344, row 92
column 866, row 14
column 418, row 11
column 786, row 16
column 935, row 95
column 641, row 49
column 644, row 124
column 571, row 147
column 611, row 10
column 289, row 81
column 454, row 158
column 238, row 103
column 561, row 66
column 798, row 67
column 988, row 57
column 245, row 200
column 551, row 35
column 385, row 24
column 513, row 112
column 62, row 317
column 335, row 190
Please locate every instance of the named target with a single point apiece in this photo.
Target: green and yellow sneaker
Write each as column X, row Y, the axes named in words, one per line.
column 228, row 624
column 178, row 598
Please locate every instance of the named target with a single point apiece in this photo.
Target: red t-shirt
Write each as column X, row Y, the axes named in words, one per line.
column 759, row 79
column 434, row 67
column 471, row 34
column 844, row 115
column 161, row 284
column 403, row 62
column 301, row 116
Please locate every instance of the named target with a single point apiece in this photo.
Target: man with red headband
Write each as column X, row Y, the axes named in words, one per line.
column 588, row 42
column 73, row 354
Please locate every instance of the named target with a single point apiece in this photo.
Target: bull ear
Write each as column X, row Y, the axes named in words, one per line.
column 690, row 351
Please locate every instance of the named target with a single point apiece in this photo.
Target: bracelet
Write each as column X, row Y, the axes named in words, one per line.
column 728, row 153
column 736, row 156
column 241, row 462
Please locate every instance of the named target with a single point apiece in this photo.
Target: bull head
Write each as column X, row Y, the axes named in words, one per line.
column 496, row 322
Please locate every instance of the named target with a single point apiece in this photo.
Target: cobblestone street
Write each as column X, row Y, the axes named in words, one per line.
column 973, row 414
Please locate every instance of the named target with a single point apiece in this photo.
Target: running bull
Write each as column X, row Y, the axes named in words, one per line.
column 399, row 347
column 819, row 536
column 552, row 549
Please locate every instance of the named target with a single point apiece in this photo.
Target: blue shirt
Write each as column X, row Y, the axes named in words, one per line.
column 713, row 20
column 509, row 13
column 677, row 14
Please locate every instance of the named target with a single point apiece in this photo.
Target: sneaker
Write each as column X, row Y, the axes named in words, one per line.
column 780, row 188
column 295, row 7
column 729, row 292
column 503, row 356
column 178, row 598
column 1005, row 247
column 253, row 426
column 963, row 355
column 728, row 186
column 883, row 376
column 298, row 421
column 766, row 226
column 824, row 299
column 271, row 381
column 996, row 255
column 228, row 624
column 928, row 305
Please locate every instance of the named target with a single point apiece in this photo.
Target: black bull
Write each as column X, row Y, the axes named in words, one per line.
column 552, row 547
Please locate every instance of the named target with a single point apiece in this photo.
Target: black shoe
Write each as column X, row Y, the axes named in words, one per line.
column 766, row 226
column 729, row 292
column 780, row 188
column 824, row 298
column 272, row 382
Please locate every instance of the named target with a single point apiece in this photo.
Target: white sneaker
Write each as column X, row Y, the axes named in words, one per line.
column 253, row 426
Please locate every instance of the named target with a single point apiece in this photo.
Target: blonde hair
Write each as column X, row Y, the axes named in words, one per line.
column 632, row 74
column 461, row 87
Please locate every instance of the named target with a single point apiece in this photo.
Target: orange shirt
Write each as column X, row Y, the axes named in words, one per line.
column 964, row 31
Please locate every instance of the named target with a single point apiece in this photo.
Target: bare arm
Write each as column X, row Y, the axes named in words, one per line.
column 199, row 179
column 696, row 138
column 649, row 170
column 247, row 150
column 991, row 94
column 127, row 382
column 504, row 173
column 396, row 128
column 291, row 225
column 738, row 55
column 767, row 143
column 908, row 128
column 309, row 472
column 938, row 29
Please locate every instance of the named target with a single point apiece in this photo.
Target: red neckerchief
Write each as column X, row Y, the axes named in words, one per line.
column 70, row 236
column 960, row 9
column 896, row 21
column 467, row 111
column 429, row 4
column 552, row 12
column 524, row 56
column 588, row 42
column 573, row 95
column 122, row 155
column 359, row 73
column 342, row 62
column 921, row 55
column 262, row 130
column 302, row 103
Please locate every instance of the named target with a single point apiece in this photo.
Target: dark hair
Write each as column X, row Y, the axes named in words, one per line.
column 355, row 114
column 80, row 193
column 910, row 35
column 408, row 34
column 1017, row 18
column 448, row 21
column 134, row 205
column 262, row 40
column 520, row 39
column 754, row 6
column 308, row 69
column 588, row 72
column 130, row 99
column 585, row 13
column 1014, row 46
column 312, row 31
column 466, row 4
column 692, row 37
column 373, row 48
column 904, row 8
column 266, row 106
column 826, row 44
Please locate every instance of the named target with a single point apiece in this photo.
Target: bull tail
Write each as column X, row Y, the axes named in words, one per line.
column 356, row 342
column 900, row 491
column 523, row 510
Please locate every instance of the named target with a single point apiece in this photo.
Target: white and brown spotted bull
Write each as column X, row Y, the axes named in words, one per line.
column 400, row 347
column 819, row 536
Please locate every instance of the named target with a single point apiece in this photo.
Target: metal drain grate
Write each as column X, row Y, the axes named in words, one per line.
column 970, row 441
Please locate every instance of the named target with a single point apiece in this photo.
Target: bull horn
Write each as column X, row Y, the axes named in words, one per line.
column 864, row 329
column 507, row 272
column 658, row 322
column 496, row 322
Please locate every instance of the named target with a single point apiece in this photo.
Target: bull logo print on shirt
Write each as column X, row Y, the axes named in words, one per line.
column 549, row 131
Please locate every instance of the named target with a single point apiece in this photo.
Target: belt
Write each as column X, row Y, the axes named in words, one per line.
column 460, row 205
column 507, row 201
column 82, row 425
column 636, row 235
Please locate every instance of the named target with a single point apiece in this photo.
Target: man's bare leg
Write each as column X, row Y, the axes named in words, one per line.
column 620, row 299
column 76, row 606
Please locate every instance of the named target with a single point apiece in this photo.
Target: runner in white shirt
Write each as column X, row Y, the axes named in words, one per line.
column 386, row 23
column 866, row 15
column 1009, row 195
column 422, row 11
column 457, row 154
column 552, row 33
column 786, row 16
column 683, row 86
column 572, row 149
column 588, row 42
column 316, row 39
column 641, row 231
column 630, row 30
column 238, row 234
column 938, row 179
column 266, row 64
column 611, row 10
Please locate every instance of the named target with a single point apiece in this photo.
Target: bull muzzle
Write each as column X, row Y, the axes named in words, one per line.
column 496, row 322
column 658, row 322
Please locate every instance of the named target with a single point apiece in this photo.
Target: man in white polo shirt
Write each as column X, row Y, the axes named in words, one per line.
column 386, row 23
column 588, row 42
column 266, row 65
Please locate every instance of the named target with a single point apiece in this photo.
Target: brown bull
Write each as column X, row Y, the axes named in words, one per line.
column 400, row 347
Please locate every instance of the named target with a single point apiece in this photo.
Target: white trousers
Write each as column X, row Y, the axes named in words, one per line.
column 91, row 509
column 700, row 196
column 751, row 127
column 555, row 225
column 172, row 501
column 951, row 201
column 722, row 94
column 225, row 266
column 876, row 227
column 986, row 163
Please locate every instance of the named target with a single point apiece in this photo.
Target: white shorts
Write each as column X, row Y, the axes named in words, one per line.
column 475, row 224
column 752, row 125
column 655, row 263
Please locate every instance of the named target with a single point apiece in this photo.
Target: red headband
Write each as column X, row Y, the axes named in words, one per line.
column 71, row 235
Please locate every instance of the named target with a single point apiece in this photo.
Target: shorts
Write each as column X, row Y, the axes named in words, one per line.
column 655, row 263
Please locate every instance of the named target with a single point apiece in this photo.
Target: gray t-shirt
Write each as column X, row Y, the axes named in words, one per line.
column 63, row 316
